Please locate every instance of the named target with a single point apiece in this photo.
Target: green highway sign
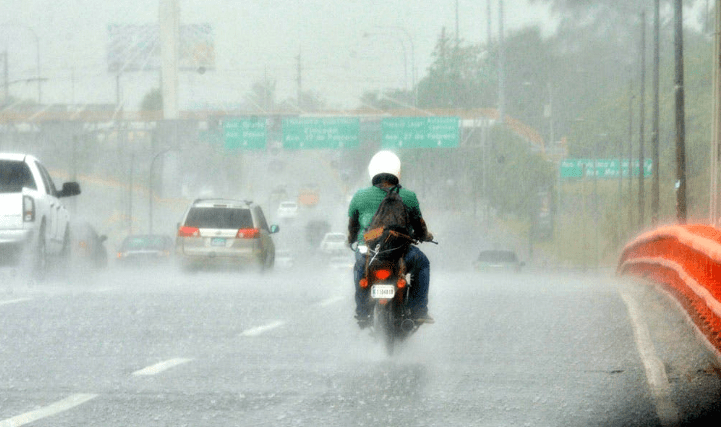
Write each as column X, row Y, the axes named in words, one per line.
column 604, row 168
column 420, row 132
column 245, row 134
column 320, row 132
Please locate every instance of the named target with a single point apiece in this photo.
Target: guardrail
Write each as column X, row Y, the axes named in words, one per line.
column 686, row 261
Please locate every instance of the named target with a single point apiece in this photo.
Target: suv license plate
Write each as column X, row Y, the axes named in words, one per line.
column 383, row 291
column 217, row 241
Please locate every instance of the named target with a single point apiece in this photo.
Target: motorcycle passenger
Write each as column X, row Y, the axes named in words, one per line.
column 384, row 170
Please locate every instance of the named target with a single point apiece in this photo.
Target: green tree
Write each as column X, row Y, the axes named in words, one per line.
column 309, row 102
column 390, row 100
column 460, row 76
column 516, row 173
column 262, row 96
column 152, row 101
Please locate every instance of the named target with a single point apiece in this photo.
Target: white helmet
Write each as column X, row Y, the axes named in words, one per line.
column 385, row 162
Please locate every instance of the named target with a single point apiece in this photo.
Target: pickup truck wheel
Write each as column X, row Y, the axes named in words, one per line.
column 62, row 262
column 65, row 252
column 40, row 257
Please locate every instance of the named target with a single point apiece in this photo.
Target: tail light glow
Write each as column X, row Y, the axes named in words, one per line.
column 363, row 283
column 382, row 274
column 188, row 232
column 401, row 283
column 248, row 233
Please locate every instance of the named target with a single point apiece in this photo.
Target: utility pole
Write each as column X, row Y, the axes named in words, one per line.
column 300, row 84
column 655, row 192
column 489, row 30
column 630, row 154
column 169, row 17
column 680, row 112
column 6, row 78
column 716, row 121
column 458, row 34
column 501, row 67
column 642, row 120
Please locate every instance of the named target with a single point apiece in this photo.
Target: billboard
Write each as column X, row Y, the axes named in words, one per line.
column 137, row 47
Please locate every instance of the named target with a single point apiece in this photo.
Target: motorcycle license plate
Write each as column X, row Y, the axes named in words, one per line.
column 383, row 291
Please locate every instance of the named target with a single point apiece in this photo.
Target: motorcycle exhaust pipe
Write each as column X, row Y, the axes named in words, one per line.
column 408, row 325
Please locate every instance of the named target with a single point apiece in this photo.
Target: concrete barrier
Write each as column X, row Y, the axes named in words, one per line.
column 686, row 261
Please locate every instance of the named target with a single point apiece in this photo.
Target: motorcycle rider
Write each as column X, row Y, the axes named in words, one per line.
column 384, row 170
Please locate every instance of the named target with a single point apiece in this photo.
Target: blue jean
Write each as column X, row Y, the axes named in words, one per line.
column 417, row 265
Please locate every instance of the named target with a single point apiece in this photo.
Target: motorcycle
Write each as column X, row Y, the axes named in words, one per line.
column 386, row 281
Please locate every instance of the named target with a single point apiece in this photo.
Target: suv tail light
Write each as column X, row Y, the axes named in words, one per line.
column 28, row 209
column 188, row 232
column 248, row 233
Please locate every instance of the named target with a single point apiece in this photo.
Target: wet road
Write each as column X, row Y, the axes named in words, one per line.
column 159, row 349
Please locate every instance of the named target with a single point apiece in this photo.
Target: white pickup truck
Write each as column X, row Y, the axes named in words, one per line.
column 34, row 224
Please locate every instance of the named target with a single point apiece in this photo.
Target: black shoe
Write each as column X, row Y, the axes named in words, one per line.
column 364, row 320
column 423, row 318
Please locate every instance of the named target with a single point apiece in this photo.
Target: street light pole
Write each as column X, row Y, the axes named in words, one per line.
column 37, row 56
column 405, row 59
column 150, row 189
column 642, row 121
column 413, row 65
column 37, row 65
column 679, row 114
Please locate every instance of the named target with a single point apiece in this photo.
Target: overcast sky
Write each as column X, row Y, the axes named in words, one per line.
column 253, row 39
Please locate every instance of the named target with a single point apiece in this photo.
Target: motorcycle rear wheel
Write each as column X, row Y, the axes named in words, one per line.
column 383, row 322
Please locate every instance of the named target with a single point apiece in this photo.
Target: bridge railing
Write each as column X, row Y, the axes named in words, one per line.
column 686, row 261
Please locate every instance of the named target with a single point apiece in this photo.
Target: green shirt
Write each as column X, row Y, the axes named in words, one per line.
column 366, row 201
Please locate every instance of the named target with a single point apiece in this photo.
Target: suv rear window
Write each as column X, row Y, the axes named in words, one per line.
column 14, row 176
column 145, row 242
column 235, row 218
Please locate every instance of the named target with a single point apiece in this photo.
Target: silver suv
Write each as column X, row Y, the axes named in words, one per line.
column 221, row 232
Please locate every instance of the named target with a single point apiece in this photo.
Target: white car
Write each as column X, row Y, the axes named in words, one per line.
column 287, row 210
column 333, row 243
column 33, row 221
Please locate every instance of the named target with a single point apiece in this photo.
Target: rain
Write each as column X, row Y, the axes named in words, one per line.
column 177, row 179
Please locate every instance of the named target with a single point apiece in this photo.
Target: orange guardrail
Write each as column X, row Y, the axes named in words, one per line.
column 686, row 261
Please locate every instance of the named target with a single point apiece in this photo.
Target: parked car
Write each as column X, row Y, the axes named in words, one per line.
column 145, row 249
column 223, row 232
column 35, row 223
column 498, row 260
column 88, row 247
column 333, row 243
column 287, row 210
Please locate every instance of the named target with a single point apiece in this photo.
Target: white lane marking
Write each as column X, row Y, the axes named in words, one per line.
column 329, row 301
column 160, row 367
column 254, row 332
column 655, row 371
column 52, row 409
column 13, row 301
